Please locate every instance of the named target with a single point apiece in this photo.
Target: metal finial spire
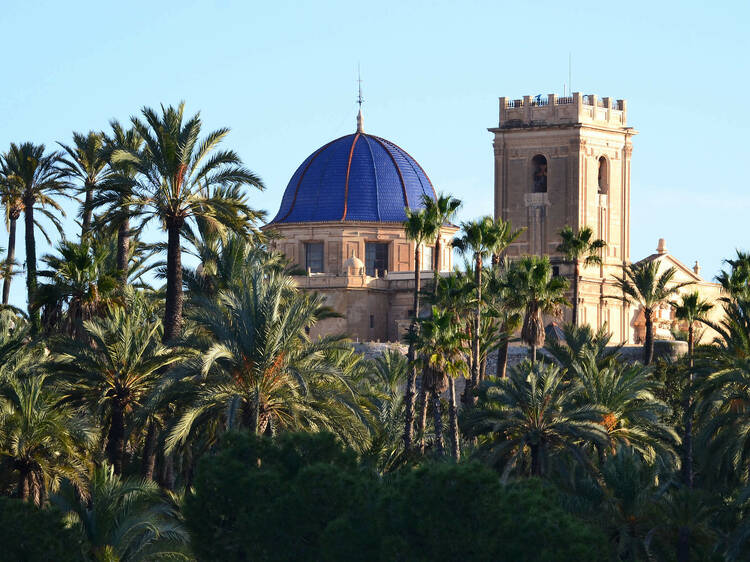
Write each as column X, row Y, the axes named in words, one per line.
column 360, row 99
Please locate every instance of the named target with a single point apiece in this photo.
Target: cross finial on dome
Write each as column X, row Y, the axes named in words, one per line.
column 360, row 99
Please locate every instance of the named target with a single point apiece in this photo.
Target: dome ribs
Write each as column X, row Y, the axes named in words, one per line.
column 348, row 169
column 412, row 162
column 375, row 176
column 395, row 165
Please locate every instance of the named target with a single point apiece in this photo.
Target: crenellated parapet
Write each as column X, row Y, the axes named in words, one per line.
column 539, row 111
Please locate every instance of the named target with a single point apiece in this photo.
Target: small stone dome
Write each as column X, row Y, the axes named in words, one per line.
column 353, row 266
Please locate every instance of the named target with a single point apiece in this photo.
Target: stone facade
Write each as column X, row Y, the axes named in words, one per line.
column 374, row 305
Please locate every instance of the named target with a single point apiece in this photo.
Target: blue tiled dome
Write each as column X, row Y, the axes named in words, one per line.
column 357, row 177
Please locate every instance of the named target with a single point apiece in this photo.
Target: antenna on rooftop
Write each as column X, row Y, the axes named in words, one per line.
column 570, row 72
column 360, row 99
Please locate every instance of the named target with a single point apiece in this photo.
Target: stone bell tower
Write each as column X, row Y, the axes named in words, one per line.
column 566, row 161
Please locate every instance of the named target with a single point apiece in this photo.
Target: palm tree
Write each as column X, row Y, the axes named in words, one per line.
column 481, row 238
column 124, row 520
column 725, row 413
column 577, row 248
column 260, row 370
column 39, row 179
column 505, row 309
column 79, row 287
column 180, row 178
column 41, row 443
column 442, row 211
column 643, row 286
column 691, row 309
column 116, row 189
column 116, row 368
column 11, row 196
column 580, row 341
column 441, row 344
column 420, row 227
column 382, row 387
column 523, row 420
column 86, row 162
column 532, row 287
column 633, row 413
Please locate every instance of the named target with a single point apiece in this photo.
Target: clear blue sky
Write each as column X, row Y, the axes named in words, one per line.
column 282, row 76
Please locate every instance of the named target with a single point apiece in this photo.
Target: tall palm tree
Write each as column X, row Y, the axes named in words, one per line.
column 421, row 228
column 86, row 162
column 505, row 309
column 180, row 178
column 123, row 520
column 691, row 309
column 441, row 344
column 116, row 189
column 116, row 368
column 442, row 211
column 480, row 239
column 524, row 420
column 38, row 178
column 643, row 286
column 260, row 370
column 11, row 196
column 41, row 442
column 580, row 247
column 532, row 286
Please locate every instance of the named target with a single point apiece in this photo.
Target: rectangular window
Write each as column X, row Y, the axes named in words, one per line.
column 376, row 258
column 314, row 257
column 428, row 258
column 372, row 321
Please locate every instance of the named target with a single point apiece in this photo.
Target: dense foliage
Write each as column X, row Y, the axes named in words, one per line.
column 199, row 418
column 303, row 497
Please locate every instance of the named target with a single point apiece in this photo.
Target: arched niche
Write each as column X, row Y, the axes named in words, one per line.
column 603, row 176
column 539, row 174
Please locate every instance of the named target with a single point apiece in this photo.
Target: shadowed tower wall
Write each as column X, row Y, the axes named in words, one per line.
column 566, row 161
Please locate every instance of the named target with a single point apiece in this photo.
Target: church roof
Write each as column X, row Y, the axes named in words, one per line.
column 357, row 177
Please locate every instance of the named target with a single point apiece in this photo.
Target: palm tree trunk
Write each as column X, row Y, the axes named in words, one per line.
column 453, row 414
column 683, row 544
column 123, row 247
column 31, row 264
column 502, row 355
column 116, row 437
column 477, row 321
column 575, row 292
column 533, row 353
column 437, row 263
column 422, row 422
column 437, row 416
column 169, row 473
column 24, row 486
column 11, row 256
column 648, row 344
column 173, row 304
column 149, row 452
column 411, row 385
column 536, row 461
column 687, row 442
column 473, row 381
column 87, row 211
